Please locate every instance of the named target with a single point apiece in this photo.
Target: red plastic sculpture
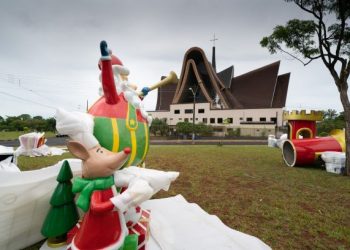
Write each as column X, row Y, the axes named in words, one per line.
column 303, row 148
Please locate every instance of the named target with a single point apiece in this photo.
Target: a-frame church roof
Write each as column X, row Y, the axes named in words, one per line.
column 260, row 88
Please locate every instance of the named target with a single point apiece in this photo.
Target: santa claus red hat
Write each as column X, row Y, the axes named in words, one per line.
column 117, row 65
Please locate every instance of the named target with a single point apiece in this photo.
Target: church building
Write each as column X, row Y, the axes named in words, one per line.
column 252, row 102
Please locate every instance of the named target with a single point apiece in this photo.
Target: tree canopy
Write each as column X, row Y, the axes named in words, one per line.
column 316, row 38
column 25, row 122
column 159, row 126
column 331, row 120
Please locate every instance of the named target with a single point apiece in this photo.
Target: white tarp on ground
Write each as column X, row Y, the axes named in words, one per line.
column 175, row 223
column 335, row 161
column 280, row 141
column 8, row 165
column 271, row 141
column 179, row 225
column 24, row 203
column 6, row 150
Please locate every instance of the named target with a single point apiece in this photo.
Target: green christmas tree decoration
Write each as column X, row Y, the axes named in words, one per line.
column 63, row 214
column 65, row 173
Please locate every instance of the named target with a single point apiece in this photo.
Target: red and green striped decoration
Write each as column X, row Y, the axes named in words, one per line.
column 121, row 127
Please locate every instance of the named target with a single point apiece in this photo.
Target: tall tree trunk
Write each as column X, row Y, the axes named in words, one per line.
column 346, row 105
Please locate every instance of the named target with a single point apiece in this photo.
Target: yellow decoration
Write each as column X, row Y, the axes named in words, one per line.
column 133, row 147
column 339, row 135
column 146, row 145
column 56, row 242
column 302, row 115
column 115, row 135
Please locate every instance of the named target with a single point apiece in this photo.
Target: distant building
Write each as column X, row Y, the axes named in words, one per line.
column 253, row 101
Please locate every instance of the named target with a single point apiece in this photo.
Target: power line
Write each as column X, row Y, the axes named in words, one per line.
column 33, row 92
column 26, row 100
column 13, row 76
column 46, row 94
column 36, row 103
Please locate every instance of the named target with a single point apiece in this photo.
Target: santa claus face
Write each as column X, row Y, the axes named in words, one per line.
column 119, row 80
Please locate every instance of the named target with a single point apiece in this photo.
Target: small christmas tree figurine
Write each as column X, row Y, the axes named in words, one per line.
column 63, row 214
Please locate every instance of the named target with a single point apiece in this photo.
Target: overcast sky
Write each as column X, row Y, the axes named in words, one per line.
column 49, row 49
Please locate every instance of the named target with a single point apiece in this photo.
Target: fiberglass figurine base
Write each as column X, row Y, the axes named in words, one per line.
column 113, row 136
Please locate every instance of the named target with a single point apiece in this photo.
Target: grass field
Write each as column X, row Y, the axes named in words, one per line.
column 12, row 135
column 251, row 190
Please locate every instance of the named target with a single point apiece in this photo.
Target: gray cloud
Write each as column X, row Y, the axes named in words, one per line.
column 57, row 42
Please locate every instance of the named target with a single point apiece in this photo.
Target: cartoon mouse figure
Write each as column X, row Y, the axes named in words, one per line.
column 103, row 226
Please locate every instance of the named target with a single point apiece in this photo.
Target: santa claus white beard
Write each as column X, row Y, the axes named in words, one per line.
column 130, row 95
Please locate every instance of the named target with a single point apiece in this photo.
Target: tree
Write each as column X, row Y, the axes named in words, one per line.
column 38, row 117
column 203, row 129
column 24, row 117
column 184, row 128
column 50, row 124
column 159, row 125
column 308, row 40
column 63, row 214
column 331, row 120
column 330, row 114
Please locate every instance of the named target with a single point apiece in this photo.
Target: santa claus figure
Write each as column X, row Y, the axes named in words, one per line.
column 121, row 81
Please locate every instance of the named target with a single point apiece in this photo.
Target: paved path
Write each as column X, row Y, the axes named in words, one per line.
column 59, row 141
column 209, row 142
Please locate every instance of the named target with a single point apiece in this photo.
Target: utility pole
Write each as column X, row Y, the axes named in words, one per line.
column 194, row 113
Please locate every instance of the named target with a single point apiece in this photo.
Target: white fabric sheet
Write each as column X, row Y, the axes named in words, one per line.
column 7, row 165
column 179, row 225
column 6, row 150
column 24, row 203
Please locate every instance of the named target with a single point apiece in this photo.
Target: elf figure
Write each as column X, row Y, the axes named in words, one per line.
column 103, row 226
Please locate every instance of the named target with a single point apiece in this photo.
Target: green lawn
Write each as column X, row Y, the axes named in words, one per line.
column 251, row 190
column 31, row 163
column 12, row 135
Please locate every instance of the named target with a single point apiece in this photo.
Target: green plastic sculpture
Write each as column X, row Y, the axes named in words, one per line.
column 63, row 214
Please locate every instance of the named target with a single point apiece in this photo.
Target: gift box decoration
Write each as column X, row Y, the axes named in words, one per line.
column 142, row 229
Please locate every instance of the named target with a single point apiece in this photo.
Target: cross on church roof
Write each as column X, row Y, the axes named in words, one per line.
column 213, row 40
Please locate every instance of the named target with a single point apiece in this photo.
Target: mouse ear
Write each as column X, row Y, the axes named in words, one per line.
column 78, row 150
